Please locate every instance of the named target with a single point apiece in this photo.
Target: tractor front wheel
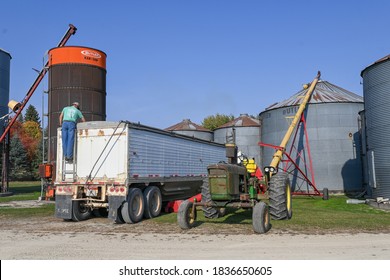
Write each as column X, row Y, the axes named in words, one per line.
column 261, row 218
column 186, row 216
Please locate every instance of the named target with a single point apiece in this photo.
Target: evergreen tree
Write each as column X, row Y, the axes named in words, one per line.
column 32, row 114
column 19, row 164
column 20, row 118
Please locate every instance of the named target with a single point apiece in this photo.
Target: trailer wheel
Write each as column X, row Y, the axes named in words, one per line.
column 153, row 202
column 186, row 218
column 80, row 212
column 208, row 211
column 261, row 218
column 280, row 198
column 133, row 209
column 325, row 194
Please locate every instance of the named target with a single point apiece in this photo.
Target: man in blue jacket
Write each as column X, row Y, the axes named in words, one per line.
column 68, row 120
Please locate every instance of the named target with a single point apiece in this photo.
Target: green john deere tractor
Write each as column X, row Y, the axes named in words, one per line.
column 240, row 185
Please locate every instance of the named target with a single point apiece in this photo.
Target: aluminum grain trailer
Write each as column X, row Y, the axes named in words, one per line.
column 128, row 171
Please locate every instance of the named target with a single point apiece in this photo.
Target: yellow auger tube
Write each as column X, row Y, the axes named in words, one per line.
column 277, row 157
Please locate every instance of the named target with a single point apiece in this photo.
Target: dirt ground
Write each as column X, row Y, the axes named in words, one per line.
column 98, row 238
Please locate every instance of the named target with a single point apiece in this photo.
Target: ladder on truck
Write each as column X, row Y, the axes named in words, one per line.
column 69, row 168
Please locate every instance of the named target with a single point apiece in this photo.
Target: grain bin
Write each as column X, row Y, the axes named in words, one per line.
column 75, row 74
column 332, row 129
column 5, row 62
column 376, row 91
column 188, row 128
column 246, row 131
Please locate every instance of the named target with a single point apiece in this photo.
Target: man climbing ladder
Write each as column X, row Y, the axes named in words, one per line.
column 68, row 120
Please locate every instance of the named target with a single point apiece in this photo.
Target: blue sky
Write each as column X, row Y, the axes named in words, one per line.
column 168, row 60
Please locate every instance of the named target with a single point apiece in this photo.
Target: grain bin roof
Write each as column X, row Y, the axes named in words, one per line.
column 243, row 120
column 324, row 92
column 187, row 125
column 4, row 51
column 383, row 59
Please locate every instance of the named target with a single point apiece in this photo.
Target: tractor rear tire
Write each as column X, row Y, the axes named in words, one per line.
column 280, row 198
column 79, row 211
column 209, row 212
column 153, row 202
column 133, row 209
column 185, row 218
column 261, row 218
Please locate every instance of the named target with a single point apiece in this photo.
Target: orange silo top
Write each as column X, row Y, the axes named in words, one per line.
column 82, row 55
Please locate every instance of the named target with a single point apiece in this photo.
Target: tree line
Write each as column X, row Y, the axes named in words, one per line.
column 25, row 148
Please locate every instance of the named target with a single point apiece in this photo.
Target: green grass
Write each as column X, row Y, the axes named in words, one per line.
column 23, row 191
column 310, row 214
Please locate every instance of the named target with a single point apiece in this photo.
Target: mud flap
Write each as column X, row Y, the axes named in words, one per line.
column 64, row 206
column 114, row 204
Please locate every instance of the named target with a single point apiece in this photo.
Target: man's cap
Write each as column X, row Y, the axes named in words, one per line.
column 76, row 103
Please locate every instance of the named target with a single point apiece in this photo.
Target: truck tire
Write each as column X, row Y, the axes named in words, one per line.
column 133, row 209
column 79, row 211
column 280, row 199
column 209, row 212
column 153, row 202
column 185, row 218
column 261, row 218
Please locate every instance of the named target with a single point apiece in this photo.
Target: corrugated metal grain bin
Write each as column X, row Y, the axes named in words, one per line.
column 5, row 62
column 187, row 127
column 376, row 90
column 75, row 74
column 332, row 128
column 246, row 131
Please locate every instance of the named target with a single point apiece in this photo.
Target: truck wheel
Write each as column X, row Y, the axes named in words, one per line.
column 209, row 212
column 261, row 218
column 133, row 209
column 280, row 199
column 325, row 194
column 185, row 218
column 80, row 212
column 153, row 202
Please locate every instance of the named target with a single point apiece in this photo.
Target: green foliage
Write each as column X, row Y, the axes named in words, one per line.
column 20, row 168
column 215, row 121
column 32, row 115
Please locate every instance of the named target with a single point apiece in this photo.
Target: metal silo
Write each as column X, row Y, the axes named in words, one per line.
column 5, row 62
column 186, row 127
column 332, row 130
column 75, row 74
column 246, row 131
column 376, row 91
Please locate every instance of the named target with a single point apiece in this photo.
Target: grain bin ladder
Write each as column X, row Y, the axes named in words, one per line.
column 272, row 169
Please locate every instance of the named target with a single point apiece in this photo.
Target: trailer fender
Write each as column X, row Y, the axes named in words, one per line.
column 64, row 206
column 114, row 204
